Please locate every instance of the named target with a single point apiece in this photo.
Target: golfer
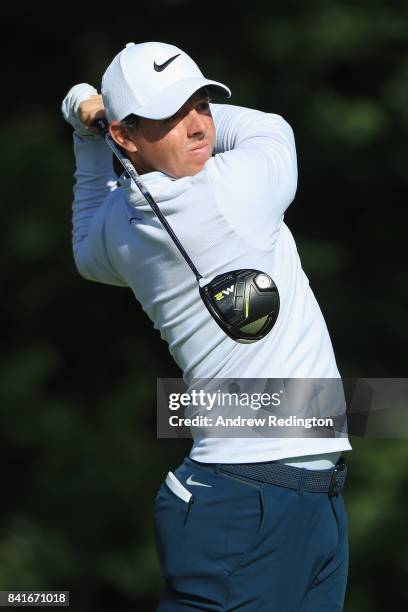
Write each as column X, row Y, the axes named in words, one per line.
column 242, row 524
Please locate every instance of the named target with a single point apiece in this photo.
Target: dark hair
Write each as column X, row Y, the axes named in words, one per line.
column 130, row 122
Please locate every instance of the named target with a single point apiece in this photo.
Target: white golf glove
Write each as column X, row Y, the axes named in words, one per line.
column 70, row 104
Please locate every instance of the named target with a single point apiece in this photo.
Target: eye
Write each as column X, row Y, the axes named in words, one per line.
column 203, row 106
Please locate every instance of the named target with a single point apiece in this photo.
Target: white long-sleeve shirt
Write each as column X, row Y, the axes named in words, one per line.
column 228, row 216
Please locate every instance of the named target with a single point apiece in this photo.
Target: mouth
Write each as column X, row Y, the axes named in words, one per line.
column 201, row 148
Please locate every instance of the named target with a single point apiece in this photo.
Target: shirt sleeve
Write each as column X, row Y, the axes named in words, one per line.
column 94, row 183
column 253, row 174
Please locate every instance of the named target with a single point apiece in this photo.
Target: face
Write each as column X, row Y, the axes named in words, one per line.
column 178, row 146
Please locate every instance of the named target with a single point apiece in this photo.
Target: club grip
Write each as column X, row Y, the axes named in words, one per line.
column 102, row 126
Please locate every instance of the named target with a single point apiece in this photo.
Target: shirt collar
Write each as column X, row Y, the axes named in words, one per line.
column 154, row 181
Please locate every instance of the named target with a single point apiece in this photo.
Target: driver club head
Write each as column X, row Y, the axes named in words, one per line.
column 244, row 303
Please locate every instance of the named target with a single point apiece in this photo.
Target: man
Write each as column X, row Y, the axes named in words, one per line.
column 248, row 524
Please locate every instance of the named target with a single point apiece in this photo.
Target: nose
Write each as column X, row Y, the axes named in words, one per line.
column 195, row 124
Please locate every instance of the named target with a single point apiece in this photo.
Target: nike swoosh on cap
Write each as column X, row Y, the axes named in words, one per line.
column 190, row 481
column 160, row 67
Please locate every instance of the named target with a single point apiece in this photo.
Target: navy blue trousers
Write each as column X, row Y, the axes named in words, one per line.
column 248, row 546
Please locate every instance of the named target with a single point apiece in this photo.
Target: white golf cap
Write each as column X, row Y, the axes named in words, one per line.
column 152, row 80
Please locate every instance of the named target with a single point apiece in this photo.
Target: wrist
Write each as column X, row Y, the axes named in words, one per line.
column 70, row 105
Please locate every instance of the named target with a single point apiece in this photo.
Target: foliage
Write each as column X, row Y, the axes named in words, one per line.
column 81, row 462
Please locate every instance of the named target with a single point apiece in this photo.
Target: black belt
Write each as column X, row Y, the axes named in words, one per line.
column 316, row 481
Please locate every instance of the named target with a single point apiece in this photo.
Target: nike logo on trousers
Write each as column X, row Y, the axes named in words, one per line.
column 190, row 481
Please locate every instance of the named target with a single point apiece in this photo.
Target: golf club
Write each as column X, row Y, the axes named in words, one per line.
column 245, row 303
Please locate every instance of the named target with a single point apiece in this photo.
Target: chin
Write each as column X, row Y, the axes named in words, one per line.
column 196, row 168
column 190, row 169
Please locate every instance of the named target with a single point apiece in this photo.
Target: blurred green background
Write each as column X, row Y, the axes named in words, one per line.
column 80, row 459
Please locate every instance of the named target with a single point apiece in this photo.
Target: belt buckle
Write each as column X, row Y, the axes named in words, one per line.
column 333, row 482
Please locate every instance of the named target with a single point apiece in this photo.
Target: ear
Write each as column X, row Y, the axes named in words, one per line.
column 122, row 137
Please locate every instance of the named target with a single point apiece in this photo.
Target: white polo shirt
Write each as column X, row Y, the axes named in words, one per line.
column 228, row 216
